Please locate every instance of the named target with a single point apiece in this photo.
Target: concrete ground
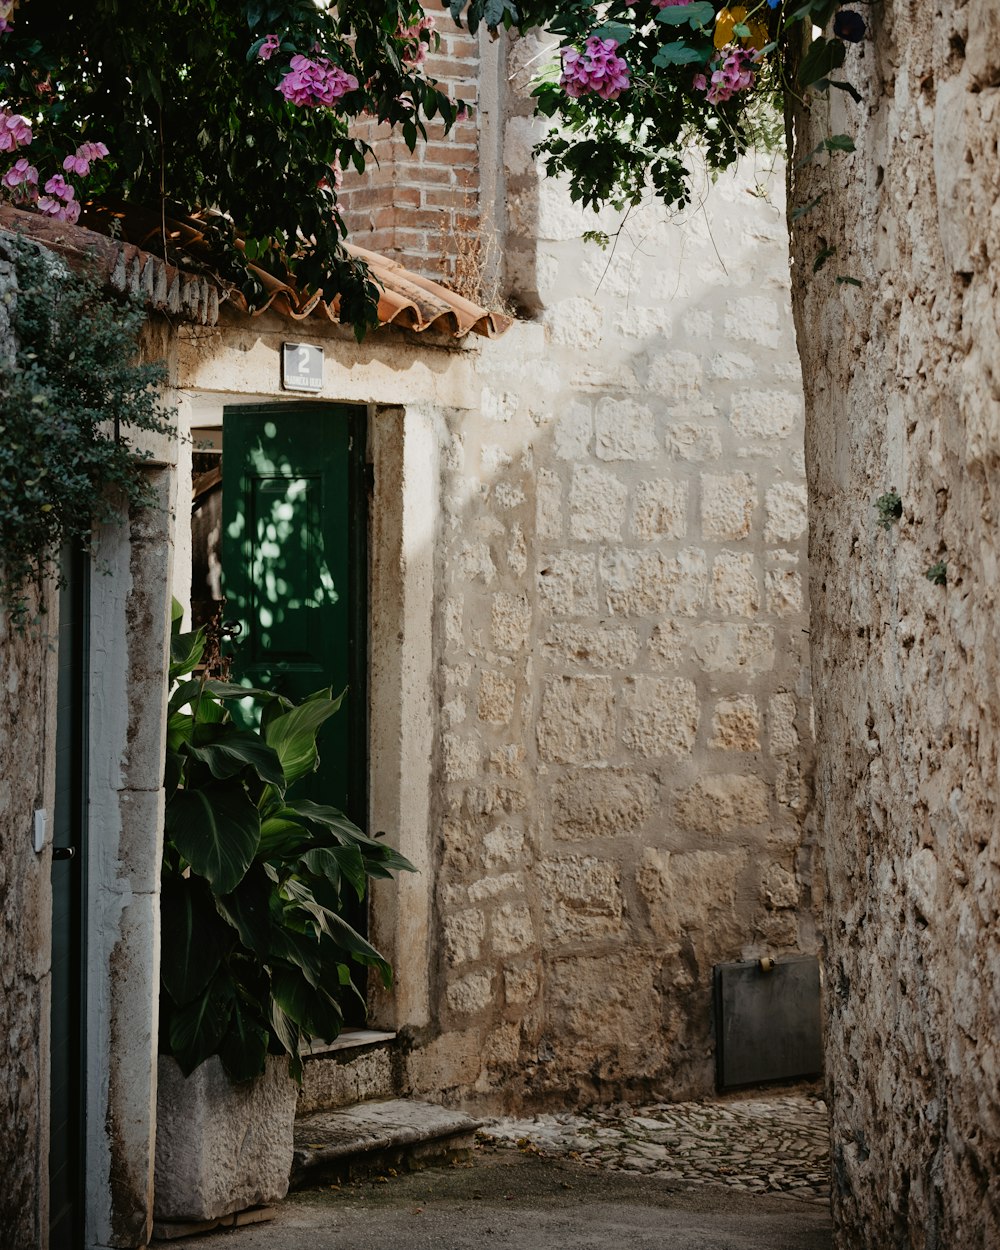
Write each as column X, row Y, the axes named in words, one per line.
column 521, row 1198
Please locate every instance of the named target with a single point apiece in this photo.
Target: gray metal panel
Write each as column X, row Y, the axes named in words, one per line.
column 767, row 1024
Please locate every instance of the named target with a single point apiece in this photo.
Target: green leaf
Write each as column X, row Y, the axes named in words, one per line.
column 839, row 143
column 618, row 31
column 332, row 862
column 823, row 56
column 193, row 941
column 742, row 29
column 287, row 1033
column 313, row 1010
column 248, row 910
column 678, row 54
column 185, row 653
column 822, row 257
column 699, row 14
column 216, row 828
column 243, row 1049
column 843, row 280
column 852, row 91
column 197, row 1028
column 293, row 735
column 281, row 837
column 230, row 750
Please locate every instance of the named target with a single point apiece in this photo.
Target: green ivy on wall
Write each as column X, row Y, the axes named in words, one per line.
column 72, row 397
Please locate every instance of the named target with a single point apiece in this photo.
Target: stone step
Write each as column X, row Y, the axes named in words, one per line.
column 361, row 1065
column 398, row 1133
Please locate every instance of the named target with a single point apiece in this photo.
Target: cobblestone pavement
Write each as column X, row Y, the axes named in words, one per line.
column 758, row 1145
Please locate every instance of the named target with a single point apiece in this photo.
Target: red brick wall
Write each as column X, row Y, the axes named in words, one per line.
column 419, row 207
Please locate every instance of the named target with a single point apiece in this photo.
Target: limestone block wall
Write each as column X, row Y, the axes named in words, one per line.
column 901, row 396
column 624, row 738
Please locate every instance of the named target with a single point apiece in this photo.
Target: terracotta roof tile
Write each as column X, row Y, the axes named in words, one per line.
column 406, row 300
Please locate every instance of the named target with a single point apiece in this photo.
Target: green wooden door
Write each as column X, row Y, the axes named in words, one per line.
column 294, row 567
column 69, row 828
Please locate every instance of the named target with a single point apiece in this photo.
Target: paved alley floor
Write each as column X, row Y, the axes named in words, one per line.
column 736, row 1175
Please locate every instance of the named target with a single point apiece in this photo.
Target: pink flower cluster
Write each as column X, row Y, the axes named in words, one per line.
column 310, row 83
column 15, row 132
column 596, row 69
column 59, row 200
column 6, row 12
column 268, row 48
column 668, row 4
column 22, row 174
column 415, row 52
column 79, row 162
column 735, row 74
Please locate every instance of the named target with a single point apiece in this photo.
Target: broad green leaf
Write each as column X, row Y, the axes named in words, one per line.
column 618, row 31
column 229, row 750
column 332, row 862
column 678, row 54
column 293, row 735
column 700, row 13
column 280, row 837
column 839, row 143
column 185, row 653
column 823, row 56
column 247, row 909
column 180, row 726
column 313, row 1010
column 193, row 941
column 216, row 828
column 287, row 1033
column 331, row 818
column 197, row 1028
column 243, row 1048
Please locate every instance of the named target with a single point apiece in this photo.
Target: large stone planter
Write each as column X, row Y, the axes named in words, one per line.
column 221, row 1147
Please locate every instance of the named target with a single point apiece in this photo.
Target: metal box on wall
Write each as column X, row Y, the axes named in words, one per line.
column 767, row 1021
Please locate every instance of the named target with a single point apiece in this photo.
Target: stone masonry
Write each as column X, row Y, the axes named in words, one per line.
column 624, row 762
column 902, row 398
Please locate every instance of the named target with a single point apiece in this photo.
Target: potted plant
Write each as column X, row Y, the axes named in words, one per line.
column 256, row 954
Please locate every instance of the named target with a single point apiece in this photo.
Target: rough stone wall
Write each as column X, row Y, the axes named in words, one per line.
column 624, row 735
column 27, row 681
column 901, row 386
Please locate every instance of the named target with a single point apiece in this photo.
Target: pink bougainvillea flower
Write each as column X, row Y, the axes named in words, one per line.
column 598, row 69
column 734, row 74
column 15, row 131
column 668, row 4
column 311, row 83
column 415, row 52
column 20, row 173
column 57, row 185
column 268, row 48
column 80, row 161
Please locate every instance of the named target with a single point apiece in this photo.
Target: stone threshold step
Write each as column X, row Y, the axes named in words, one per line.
column 397, row 1133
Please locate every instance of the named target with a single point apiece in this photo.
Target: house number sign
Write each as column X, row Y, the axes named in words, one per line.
column 301, row 367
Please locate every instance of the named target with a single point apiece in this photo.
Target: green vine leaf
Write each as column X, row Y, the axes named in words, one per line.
column 823, row 56
column 678, row 54
column 698, row 15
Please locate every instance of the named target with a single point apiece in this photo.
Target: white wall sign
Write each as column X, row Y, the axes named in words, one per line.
column 301, row 367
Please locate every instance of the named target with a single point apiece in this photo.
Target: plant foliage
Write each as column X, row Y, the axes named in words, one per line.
column 256, row 952
column 72, row 400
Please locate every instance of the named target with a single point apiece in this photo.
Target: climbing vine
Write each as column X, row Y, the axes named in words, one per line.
column 72, row 400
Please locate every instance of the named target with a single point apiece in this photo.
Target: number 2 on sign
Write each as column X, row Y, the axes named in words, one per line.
column 303, row 360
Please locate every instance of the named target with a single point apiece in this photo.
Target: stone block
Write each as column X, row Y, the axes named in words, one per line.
column 734, row 648
column 722, row 804
column 502, row 845
column 567, row 583
column 675, row 375
column 463, row 936
column 596, row 504
column 573, row 431
column 548, row 505
column 668, row 645
column 576, row 721
column 693, row 441
column 596, row 646
column 695, row 894
column 221, row 1147
column 602, row 803
column 496, row 698
column 510, row 621
column 651, row 583
column 660, row 509
column 520, row 984
column 779, row 888
column 735, row 587
column 759, row 415
column 783, row 592
column 470, row 994
column 581, row 898
column 785, row 505
column 624, row 430
column 491, row 887
column 512, row 929
column 732, row 366
column 736, row 724
column 754, row 319
column 661, row 716
column 462, row 757
column 727, row 504
column 575, row 322
column 610, row 1009
column 783, row 735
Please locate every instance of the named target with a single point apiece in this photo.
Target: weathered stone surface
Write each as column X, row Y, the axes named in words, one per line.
column 496, row 698
column 624, row 430
column 576, row 719
column 695, row 893
column 736, row 724
column 735, row 586
column 567, row 583
column 596, row 504
column 520, row 984
column 901, row 394
column 602, row 802
column 591, row 646
column 648, row 583
column 732, row 648
column 661, row 716
column 581, row 898
column 727, row 504
column 463, row 936
column 511, row 621
column 660, row 509
column 221, row 1147
column 512, row 929
column 471, row 993
column 722, row 804
column 785, row 506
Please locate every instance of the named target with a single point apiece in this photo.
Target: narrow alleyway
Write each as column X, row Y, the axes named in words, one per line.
column 747, row 1174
